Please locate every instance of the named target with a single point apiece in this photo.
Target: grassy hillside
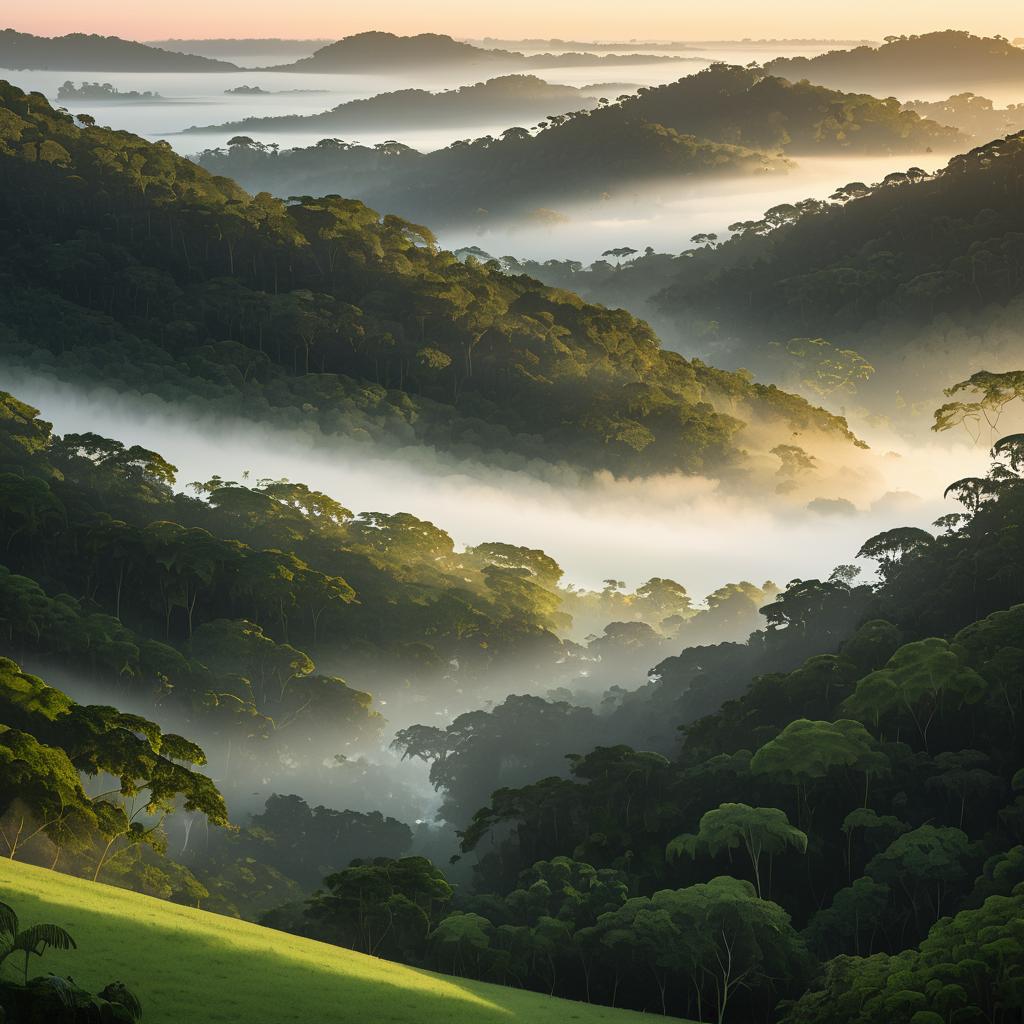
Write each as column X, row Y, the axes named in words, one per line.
column 189, row 965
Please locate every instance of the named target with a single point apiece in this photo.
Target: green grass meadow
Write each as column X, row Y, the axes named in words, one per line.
column 191, row 967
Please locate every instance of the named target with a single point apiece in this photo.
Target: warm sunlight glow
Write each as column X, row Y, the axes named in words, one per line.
column 512, row 513
column 586, row 19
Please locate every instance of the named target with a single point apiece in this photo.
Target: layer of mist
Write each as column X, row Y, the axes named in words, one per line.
column 666, row 215
column 190, row 98
column 371, row 779
column 694, row 529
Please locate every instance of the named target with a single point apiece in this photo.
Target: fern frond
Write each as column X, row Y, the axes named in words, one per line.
column 40, row 936
column 8, row 920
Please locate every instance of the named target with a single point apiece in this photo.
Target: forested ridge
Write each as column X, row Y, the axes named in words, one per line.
column 949, row 58
column 852, row 827
column 878, row 297
column 381, row 52
column 507, row 97
column 208, row 603
column 78, row 51
column 844, row 831
column 794, row 803
column 125, row 263
column 977, row 116
column 913, row 246
column 722, row 120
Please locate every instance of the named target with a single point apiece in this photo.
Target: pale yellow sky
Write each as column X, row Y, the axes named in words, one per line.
column 606, row 19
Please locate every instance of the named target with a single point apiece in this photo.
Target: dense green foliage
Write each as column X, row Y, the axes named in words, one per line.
column 881, row 252
column 865, row 796
column 722, row 120
column 126, row 264
column 968, row 968
column 824, row 823
column 49, row 743
column 210, row 603
column 507, row 98
column 877, row 297
column 383, row 907
column 222, row 610
column 189, row 965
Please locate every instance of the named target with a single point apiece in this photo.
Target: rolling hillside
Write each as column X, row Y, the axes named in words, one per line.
column 189, row 965
column 80, row 52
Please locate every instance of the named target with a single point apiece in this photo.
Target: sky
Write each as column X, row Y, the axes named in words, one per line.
column 588, row 19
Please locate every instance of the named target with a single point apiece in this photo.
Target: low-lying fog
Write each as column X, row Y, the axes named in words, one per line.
column 661, row 215
column 691, row 529
column 199, row 99
column 664, row 215
column 597, row 527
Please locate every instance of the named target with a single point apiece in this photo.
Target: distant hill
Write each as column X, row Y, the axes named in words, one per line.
column 609, row 89
column 354, row 323
column 657, row 44
column 725, row 120
column 945, row 60
column 104, row 92
column 510, row 98
column 255, row 90
column 369, row 52
column 976, row 116
column 911, row 247
column 286, row 49
column 922, row 275
column 490, row 43
column 79, row 52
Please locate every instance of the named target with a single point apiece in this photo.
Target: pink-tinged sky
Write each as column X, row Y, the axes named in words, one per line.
column 588, row 19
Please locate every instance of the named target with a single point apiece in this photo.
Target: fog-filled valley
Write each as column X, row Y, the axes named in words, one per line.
column 665, row 215
column 596, row 526
column 542, row 511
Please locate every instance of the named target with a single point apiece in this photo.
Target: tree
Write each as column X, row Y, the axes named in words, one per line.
column 852, row 922
column 153, row 769
column 41, row 795
column 993, row 391
column 967, row 968
column 925, row 680
column 759, row 830
column 924, row 864
column 462, row 940
column 666, row 598
column 962, row 776
column 806, row 752
column 825, row 369
column 381, row 906
column 893, row 546
column 718, row 938
column 568, row 890
column 880, row 829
